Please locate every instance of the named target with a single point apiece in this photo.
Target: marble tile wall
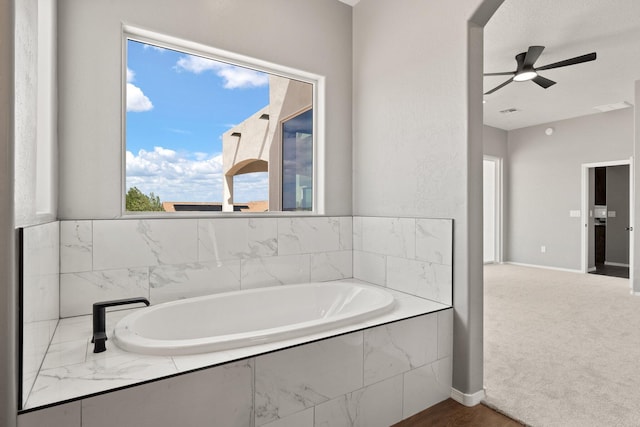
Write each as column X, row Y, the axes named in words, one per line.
column 40, row 293
column 412, row 255
column 371, row 378
column 169, row 259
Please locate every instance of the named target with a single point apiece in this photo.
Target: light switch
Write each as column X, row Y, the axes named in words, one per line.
column 574, row 214
column 612, row 214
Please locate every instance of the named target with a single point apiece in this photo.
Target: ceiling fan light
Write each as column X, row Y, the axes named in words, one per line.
column 524, row 76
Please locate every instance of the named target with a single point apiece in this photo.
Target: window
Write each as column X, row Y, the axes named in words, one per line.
column 205, row 134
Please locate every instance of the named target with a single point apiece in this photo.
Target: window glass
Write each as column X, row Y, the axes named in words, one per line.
column 203, row 135
column 297, row 163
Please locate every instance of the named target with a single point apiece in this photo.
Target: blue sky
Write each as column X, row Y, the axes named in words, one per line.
column 178, row 106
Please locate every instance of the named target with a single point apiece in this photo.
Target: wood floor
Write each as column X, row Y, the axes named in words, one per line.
column 452, row 414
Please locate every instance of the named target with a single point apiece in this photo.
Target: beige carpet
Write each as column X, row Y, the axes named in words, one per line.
column 561, row 349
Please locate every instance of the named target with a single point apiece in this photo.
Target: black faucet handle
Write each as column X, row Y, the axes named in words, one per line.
column 100, row 319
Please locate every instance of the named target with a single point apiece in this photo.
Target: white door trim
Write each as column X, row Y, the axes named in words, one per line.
column 585, row 211
column 498, row 208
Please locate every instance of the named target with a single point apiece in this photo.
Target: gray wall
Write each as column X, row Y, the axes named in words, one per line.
column 495, row 142
column 8, row 293
column 635, row 274
column 312, row 36
column 617, row 244
column 545, row 183
column 417, row 131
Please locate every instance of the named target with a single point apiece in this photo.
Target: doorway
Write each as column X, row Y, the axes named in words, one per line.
column 607, row 199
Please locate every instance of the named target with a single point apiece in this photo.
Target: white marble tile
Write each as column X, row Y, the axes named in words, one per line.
column 273, row 271
column 434, row 240
column 219, row 396
column 420, row 278
column 41, row 296
column 378, row 405
column 173, row 282
column 76, row 246
column 346, row 233
column 36, row 337
column 41, row 250
column 41, row 283
column 299, row 419
column 237, row 238
column 97, row 374
column 67, row 353
column 370, row 267
column 331, row 266
column 138, row 243
column 427, row 386
column 263, row 237
column 222, row 238
column 357, row 233
column 67, row 415
column 308, row 235
column 298, row 378
column 78, row 291
column 399, row 347
column 445, row 333
column 389, row 236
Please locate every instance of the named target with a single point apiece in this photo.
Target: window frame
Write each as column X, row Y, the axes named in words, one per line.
column 199, row 49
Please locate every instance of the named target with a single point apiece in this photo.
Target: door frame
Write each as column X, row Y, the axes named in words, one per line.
column 498, row 207
column 585, row 211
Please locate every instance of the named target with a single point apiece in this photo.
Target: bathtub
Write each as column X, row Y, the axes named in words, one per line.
column 248, row 317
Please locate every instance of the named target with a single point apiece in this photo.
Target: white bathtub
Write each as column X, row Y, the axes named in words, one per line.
column 249, row 317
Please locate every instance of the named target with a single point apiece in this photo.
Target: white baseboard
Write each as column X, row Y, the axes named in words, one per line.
column 467, row 399
column 591, row 269
column 546, row 267
column 616, row 264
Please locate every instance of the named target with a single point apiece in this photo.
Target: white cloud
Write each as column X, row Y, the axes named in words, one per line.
column 146, row 46
column 131, row 75
column 181, row 177
column 234, row 77
column 137, row 101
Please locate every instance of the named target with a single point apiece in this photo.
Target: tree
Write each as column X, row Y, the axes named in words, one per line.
column 136, row 200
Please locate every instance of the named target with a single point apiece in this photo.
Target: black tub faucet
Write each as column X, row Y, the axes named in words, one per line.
column 99, row 320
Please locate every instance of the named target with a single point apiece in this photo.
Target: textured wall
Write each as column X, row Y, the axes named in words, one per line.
column 312, row 36
column 545, row 179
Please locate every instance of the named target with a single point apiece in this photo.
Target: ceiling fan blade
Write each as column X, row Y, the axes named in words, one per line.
column 498, row 87
column 577, row 60
column 532, row 55
column 543, row 82
column 506, row 73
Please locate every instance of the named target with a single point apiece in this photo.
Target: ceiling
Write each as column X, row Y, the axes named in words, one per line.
column 568, row 28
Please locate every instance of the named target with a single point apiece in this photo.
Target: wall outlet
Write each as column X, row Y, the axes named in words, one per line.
column 543, row 249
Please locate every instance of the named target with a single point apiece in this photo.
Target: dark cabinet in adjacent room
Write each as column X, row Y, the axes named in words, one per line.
column 600, row 241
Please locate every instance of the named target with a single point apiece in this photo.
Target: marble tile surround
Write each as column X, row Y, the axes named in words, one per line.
column 412, row 255
column 40, row 287
column 321, row 383
column 169, row 259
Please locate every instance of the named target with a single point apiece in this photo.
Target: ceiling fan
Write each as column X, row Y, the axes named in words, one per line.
column 526, row 71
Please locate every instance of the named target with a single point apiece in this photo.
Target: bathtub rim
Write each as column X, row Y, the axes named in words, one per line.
column 129, row 341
